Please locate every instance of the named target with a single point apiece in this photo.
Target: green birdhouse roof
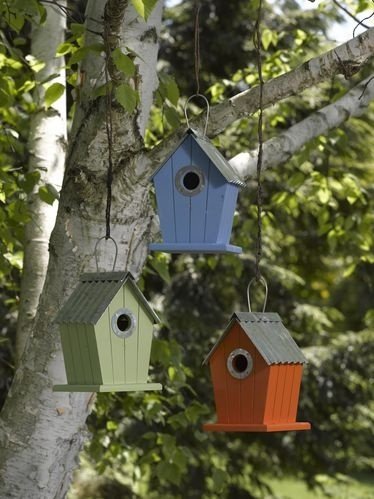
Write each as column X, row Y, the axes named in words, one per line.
column 93, row 295
column 269, row 336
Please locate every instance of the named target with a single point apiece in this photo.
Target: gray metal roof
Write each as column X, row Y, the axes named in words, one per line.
column 269, row 336
column 213, row 154
column 93, row 295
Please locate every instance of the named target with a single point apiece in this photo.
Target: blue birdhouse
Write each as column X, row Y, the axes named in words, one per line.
column 196, row 192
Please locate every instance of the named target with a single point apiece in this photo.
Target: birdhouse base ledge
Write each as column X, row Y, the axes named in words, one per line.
column 257, row 427
column 195, row 248
column 130, row 387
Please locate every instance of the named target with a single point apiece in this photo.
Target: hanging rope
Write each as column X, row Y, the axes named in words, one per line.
column 109, row 130
column 197, row 47
column 257, row 43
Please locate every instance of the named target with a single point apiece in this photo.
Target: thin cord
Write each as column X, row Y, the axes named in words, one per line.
column 109, row 131
column 197, row 47
column 257, row 43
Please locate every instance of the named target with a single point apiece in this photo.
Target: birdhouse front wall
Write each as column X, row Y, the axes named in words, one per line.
column 207, row 215
column 238, row 400
column 96, row 355
column 268, row 395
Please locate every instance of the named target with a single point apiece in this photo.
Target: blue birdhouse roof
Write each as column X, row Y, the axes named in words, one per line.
column 222, row 165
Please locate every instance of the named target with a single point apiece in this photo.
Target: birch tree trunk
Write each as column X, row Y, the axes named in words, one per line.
column 42, row 432
column 47, row 145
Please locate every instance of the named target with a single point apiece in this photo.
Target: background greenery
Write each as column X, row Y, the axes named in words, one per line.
column 318, row 220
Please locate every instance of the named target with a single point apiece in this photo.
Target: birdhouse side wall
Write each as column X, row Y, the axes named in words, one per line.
column 239, row 400
column 80, row 354
column 204, row 217
column 228, row 211
column 124, row 360
column 283, row 393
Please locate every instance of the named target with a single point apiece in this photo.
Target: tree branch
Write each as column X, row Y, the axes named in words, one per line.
column 346, row 59
column 279, row 149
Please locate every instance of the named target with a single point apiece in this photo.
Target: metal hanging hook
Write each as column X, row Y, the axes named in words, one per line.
column 207, row 110
column 115, row 255
column 263, row 281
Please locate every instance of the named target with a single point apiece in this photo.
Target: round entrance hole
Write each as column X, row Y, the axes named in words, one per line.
column 239, row 363
column 191, row 181
column 123, row 322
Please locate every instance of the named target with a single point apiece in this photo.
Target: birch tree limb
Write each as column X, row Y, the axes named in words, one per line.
column 346, row 59
column 47, row 145
column 279, row 149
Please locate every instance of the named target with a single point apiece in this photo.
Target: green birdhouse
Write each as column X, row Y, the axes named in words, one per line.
column 106, row 331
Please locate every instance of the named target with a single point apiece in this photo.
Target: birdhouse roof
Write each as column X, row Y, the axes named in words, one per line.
column 93, row 295
column 269, row 336
column 213, row 154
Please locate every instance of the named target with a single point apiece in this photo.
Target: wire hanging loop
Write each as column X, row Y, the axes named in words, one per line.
column 262, row 280
column 207, row 110
column 115, row 254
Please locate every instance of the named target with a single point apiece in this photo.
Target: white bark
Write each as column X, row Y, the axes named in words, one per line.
column 47, row 145
column 279, row 149
column 42, row 432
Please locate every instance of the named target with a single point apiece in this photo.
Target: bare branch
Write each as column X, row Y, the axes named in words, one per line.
column 352, row 16
column 279, row 149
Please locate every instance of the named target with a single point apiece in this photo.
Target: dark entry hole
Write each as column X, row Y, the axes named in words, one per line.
column 123, row 322
column 191, row 181
column 240, row 363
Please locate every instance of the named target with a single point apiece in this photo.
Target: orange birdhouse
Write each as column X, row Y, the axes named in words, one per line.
column 256, row 369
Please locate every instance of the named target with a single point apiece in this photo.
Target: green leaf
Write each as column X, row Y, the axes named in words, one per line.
column 172, row 91
column 123, row 62
column 15, row 259
column 144, row 7
column 53, row 93
column 48, row 193
column 171, row 116
column 266, row 38
column 64, row 48
column 127, row 97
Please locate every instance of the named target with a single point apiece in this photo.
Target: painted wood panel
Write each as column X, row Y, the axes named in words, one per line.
column 68, row 354
column 230, row 343
column 262, row 386
column 287, row 393
column 215, row 202
column 144, row 339
column 164, row 185
column 131, row 343
column 271, row 394
column 227, row 214
column 247, row 385
column 198, row 203
column 85, row 353
column 94, row 355
column 218, row 373
column 103, row 340
column 281, row 382
column 75, row 347
column 182, row 207
column 117, row 344
column 297, row 375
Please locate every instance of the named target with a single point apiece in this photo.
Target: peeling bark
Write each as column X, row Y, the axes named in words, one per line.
column 279, row 149
column 47, row 144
